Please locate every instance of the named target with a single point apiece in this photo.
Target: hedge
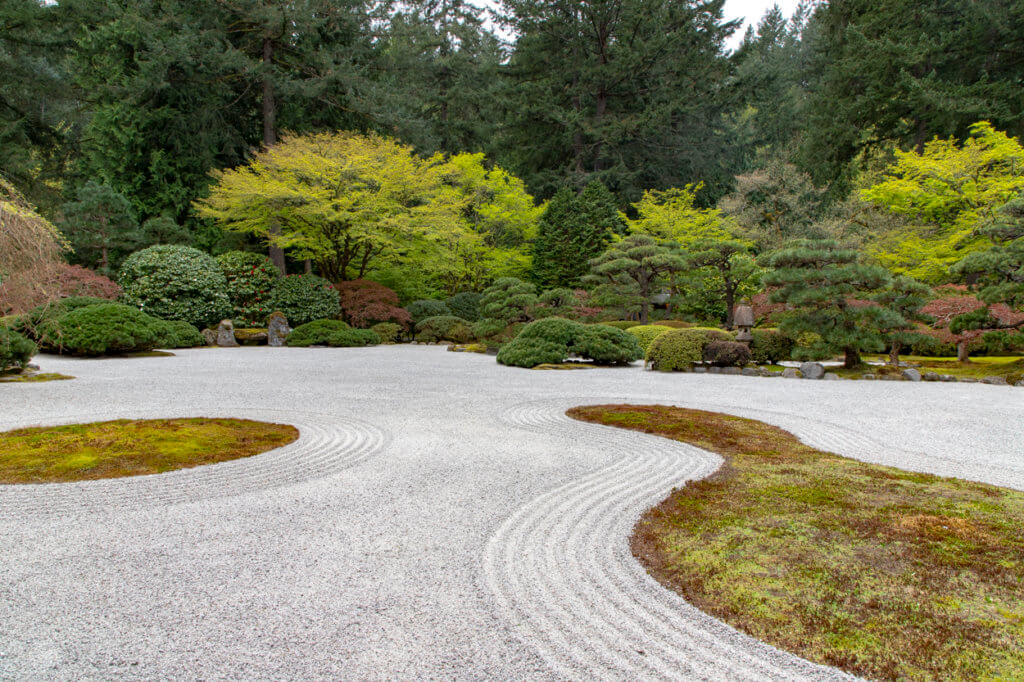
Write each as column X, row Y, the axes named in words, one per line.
column 681, row 349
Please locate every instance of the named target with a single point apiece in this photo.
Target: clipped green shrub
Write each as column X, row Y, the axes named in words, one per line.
column 726, row 354
column 465, row 305
column 680, row 349
column 15, row 350
column 315, row 333
column 444, row 328
column 305, row 298
column 177, row 334
column 646, row 333
column 175, row 283
column 352, row 338
column 39, row 325
column 107, row 329
column 389, row 332
column 606, row 345
column 554, row 339
column 250, row 279
column 488, row 328
column 510, row 299
column 622, row 324
column 424, row 308
column 770, row 346
column 674, row 324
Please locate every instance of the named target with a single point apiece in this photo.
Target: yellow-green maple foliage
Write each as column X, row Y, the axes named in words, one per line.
column 672, row 215
column 947, row 191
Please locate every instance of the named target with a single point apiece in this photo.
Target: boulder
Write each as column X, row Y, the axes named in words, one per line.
column 947, row 378
column 735, row 371
column 911, row 374
column 750, row 372
column 251, row 336
column 831, row 376
column 968, row 380
column 468, row 348
column 700, row 370
column 931, row 376
column 277, row 329
column 714, row 370
column 226, row 334
column 812, row 370
column 210, row 336
column 869, row 377
column 995, row 381
column 791, row 373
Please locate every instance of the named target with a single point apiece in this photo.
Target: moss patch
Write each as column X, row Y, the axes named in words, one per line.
column 124, row 447
column 33, row 378
column 881, row 572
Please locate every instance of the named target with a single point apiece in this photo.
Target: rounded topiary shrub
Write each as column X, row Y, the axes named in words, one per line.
column 250, row 280
column 315, row 333
column 489, row 328
column 465, row 305
column 646, row 333
column 177, row 334
column 175, row 283
column 351, row 338
column 510, row 299
column 304, row 298
column 622, row 324
column 554, row 339
column 680, row 349
column 726, row 354
column 770, row 346
column 424, row 308
column 15, row 350
column 444, row 328
column 389, row 332
column 107, row 329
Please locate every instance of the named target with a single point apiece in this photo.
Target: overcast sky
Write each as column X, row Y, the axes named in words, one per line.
column 751, row 12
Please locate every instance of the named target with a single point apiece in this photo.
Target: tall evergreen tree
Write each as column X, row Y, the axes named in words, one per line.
column 826, row 290
column 574, row 229
column 623, row 91
column 999, row 271
column 101, row 226
column 629, row 272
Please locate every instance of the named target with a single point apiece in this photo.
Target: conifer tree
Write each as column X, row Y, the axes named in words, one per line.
column 905, row 297
column 732, row 265
column 101, row 226
column 574, row 229
column 628, row 273
column 999, row 270
column 825, row 289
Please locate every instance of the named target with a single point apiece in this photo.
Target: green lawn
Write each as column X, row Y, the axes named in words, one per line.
column 884, row 573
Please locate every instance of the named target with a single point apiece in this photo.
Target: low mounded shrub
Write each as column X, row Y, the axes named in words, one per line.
column 554, row 339
column 175, row 283
column 364, row 303
column 465, row 305
column 250, row 279
column 424, row 308
column 621, row 324
column 488, row 328
column 674, row 324
column 389, row 332
column 177, row 334
column 510, row 299
column 315, row 333
column 646, row 333
column 15, row 350
column 727, row 354
column 107, row 329
column 680, row 349
column 352, row 338
column 444, row 328
column 770, row 346
column 305, row 298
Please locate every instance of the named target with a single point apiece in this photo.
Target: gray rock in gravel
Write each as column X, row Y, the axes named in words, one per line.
column 911, row 374
column 226, row 334
column 750, row 372
column 995, row 381
column 812, row 370
column 210, row 337
column 32, row 366
column 791, row 373
column 700, row 370
column 735, row 371
column 277, row 329
column 947, row 378
column 967, row 380
column 831, row 376
column 931, row 376
column 714, row 370
column 869, row 377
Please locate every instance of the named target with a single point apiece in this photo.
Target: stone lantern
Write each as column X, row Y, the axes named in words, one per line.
column 743, row 318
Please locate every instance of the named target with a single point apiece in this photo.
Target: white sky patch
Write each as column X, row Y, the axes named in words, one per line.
column 751, row 11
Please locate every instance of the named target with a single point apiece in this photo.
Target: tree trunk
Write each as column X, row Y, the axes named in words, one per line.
column 961, row 352
column 894, row 354
column 730, row 303
column 275, row 252
column 852, row 359
column 307, row 266
column 104, row 258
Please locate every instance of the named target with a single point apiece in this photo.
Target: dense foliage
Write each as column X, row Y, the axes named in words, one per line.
column 770, row 346
column 681, row 349
column 509, row 299
column 250, row 278
column 304, row 298
column 465, row 304
column 315, row 333
column 424, row 308
column 646, row 333
column 364, row 303
column 726, row 354
column 108, row 329
column 15, row 350
column 444, row 328
column 176, row 283
column 554, row 339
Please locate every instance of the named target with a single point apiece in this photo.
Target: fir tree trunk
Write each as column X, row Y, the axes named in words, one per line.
column 961, row 352
column 852, row 358
column 275, row 252
column 894, row 354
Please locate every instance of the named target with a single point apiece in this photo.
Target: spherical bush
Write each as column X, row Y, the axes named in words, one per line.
column 646, row 333
column 250, row 280
column 107, row 329
column 304, row 298
column 175, row 283
column 606, row 345
column 680, row 349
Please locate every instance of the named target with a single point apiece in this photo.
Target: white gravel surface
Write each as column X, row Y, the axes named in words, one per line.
column 439, row 518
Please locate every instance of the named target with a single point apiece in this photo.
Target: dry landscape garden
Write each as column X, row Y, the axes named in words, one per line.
column 289, row 292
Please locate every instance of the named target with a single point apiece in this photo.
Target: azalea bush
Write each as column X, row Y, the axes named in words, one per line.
column 176, row 283
column 250, row 279
column 304, row 298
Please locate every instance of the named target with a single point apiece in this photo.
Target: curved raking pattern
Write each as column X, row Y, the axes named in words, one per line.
column 561, row 571
column 325, row 446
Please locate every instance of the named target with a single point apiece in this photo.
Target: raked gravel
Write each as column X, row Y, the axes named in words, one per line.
column 438, row 518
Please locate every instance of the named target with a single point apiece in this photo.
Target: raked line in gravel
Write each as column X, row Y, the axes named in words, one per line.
column 439, row 517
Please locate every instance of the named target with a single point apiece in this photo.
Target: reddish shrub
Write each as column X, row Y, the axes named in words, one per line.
column 365, row 303
column 74, row 280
